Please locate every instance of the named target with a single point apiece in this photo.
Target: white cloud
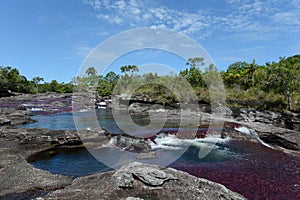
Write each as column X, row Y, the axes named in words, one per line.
column 136, row 13
column 255, row 19
column 82, row 50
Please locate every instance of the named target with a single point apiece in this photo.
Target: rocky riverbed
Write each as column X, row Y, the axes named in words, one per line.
column 20, row 179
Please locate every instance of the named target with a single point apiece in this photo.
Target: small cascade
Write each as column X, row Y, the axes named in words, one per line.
column 252, row 134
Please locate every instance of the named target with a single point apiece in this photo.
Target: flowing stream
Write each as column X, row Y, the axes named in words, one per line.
column 250, row 168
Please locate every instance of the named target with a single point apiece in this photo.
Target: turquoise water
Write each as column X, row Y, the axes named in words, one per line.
column 61, row 121
column 65, row 121
column 72, row 162
column 79, row 162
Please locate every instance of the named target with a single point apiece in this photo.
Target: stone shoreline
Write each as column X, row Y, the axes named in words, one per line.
column 17, row 176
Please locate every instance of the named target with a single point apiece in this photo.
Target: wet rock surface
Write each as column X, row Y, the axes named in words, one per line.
column 17, row 176
column 142, row 181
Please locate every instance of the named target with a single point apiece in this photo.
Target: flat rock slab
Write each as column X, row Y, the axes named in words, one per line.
column 18, row 176
column 143, row 181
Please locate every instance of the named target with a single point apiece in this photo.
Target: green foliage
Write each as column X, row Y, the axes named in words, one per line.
column 274, row 85
column 10, row 79
column 193, row 76
column 281, row 79
column 129, row 68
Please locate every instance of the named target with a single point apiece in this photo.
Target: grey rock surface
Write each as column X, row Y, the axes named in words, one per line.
column 17, row 176
column 13, row 116
column 142, row 181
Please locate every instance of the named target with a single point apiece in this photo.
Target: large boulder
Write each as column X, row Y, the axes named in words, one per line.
column 287, row 120
column 143, row 181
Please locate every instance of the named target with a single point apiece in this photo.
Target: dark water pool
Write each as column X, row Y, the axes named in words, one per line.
column 72, row 162
column 80, row 162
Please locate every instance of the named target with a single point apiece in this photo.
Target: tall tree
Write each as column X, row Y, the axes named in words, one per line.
column 37, row 81
column 251, row 71
column 129, row 68
column 194, row 75
column 91, row 71
column 284, row 76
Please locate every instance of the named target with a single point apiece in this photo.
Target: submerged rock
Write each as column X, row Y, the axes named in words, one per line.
column 143, row 181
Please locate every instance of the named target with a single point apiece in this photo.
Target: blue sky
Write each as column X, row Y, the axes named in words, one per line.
column 51, row 38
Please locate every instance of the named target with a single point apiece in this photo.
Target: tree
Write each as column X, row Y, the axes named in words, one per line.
column 107, row 83
column 37, row 81
column 129, row 68
column 112, row 78
column 251, row 70
column 92, row 78
column 284, row 76
column 91, row 71
column 53, row 86
column 194, row 75
column 195, row 62
column 241, row 74
column 133, row 68
column 10, row 79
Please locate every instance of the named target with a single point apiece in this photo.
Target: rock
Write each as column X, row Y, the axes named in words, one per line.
column 12, row 117
column 133, row 198
column 130, row 143
column 148, row 155
column 284, row 119
column 4, row 121
column 138, row 108
column 143, row 181
column 279, row 138
column 6, row 93
column 17, row 146
column 279, row 141
column 149, row 175
column 17, row 175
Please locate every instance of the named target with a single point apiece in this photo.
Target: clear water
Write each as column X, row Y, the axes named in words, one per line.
column 72, row 162
column 80, row 162
column 60, row 121
column 254, row 170
column 65, row 121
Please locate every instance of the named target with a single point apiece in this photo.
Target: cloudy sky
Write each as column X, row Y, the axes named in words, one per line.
column 51, row 38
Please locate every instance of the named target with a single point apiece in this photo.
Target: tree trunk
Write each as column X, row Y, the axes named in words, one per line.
column 289, row 98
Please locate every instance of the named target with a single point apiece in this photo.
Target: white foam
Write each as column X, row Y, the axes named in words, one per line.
column 253, row 133
column 36, row 109
column 83, row 110
column 243, row 129
column 171, row 142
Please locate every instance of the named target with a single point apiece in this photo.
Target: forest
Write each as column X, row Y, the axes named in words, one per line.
column 273, row 86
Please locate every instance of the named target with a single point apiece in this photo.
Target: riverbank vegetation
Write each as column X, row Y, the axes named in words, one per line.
column 12, row 80
column 273, row 86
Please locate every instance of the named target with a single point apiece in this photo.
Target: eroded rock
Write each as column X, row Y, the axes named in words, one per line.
column 143, row 181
